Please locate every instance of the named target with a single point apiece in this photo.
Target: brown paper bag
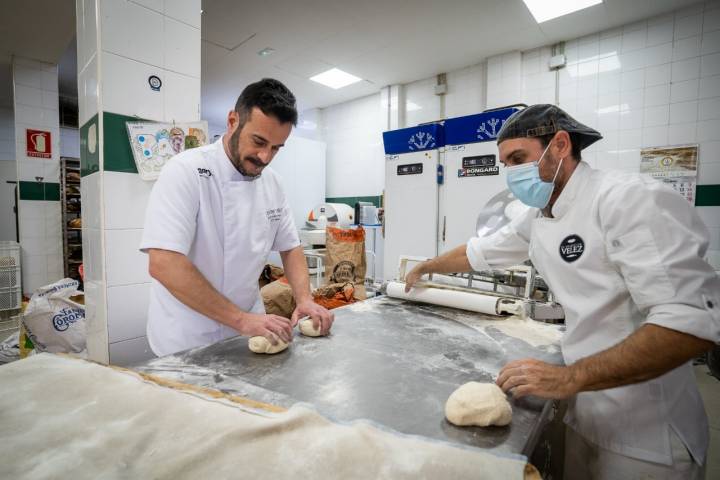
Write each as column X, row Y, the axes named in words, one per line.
column 278, row 298
column 345, row 258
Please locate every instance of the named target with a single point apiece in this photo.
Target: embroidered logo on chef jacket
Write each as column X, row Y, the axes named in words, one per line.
column 274, row 214
column 204, row 172
column 572, row 248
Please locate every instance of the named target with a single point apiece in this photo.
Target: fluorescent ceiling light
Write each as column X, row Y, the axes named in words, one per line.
column 544, row 10
column 335, row 78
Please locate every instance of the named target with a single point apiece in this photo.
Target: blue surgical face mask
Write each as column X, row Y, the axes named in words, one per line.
column 525, row 183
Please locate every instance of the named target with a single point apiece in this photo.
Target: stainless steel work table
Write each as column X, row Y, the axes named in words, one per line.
column 391, row 361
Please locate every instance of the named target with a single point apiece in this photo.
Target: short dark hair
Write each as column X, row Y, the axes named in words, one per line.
column 271, row 97
column 574, row 142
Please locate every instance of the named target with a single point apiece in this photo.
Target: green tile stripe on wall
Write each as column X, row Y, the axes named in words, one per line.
column 89, row 162
column 707, row 196
column 376, row 200
column 39, row 191
column 117, row 154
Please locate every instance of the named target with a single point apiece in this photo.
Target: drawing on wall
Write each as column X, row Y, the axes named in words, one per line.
column 675, row 166
column 153, row 144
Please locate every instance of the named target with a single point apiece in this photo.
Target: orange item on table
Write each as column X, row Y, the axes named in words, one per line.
column 343, row 295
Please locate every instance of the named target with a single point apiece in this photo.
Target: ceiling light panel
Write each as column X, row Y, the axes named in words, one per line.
column 544, row 10
column 335, row 78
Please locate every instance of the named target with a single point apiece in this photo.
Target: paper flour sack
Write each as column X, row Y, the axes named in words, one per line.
column 55, row 323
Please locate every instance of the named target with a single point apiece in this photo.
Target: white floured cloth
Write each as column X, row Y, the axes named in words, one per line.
column 226, row 224
column 67, row 418
column 621, row 251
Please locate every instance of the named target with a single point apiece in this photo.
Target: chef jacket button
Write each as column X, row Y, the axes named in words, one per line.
column 710, row 304
column 616, row 243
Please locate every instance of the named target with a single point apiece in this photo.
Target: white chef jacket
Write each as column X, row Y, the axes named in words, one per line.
column 226, row 224
column 621, row 251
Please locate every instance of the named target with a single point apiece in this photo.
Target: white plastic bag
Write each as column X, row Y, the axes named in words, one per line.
column 55, row 323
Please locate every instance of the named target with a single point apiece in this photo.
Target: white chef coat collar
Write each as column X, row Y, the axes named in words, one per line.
column 572, row 188
column 228, row 172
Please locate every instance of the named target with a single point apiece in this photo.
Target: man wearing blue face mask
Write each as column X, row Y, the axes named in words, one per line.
column 624, row 256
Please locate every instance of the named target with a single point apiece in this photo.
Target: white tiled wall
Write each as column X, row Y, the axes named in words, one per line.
column 129, row 352
column 466, row 91
column 138, row 39
column 35, row 102
column 124, row 263
column 421, row 103
column 504, row 82
column 308, row 126
column 40, row 242
column 651, row 83
column 355, row 158
column 127, row 311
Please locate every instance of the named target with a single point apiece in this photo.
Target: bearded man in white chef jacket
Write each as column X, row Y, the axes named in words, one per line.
column 624, row 256
column 214, row 215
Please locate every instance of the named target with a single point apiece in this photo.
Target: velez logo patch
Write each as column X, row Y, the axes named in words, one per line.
column 572, row 248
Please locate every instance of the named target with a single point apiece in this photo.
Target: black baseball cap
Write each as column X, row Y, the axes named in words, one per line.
column 545, row 119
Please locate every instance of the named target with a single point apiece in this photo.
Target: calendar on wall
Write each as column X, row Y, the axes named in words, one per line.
column 676, row 166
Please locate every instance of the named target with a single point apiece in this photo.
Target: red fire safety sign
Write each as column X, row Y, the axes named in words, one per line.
column 38, row 144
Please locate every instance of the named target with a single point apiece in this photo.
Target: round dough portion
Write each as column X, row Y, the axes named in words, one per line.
column 263, row 345
column 307, row 329
column 480, row 404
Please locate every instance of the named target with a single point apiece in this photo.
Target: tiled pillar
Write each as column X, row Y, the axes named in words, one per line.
column 35, row 92
column 120, row 45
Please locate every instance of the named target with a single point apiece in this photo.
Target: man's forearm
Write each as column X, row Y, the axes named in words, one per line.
column 648, row 353
column 177, row 273
column 454, row 261
column 297, row 274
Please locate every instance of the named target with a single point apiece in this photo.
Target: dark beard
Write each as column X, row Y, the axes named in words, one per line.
column 235, row 157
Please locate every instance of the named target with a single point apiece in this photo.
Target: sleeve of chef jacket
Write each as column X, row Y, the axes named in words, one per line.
column 657, row 242
column 506, row 247
column 171, row 217
column 286, row 237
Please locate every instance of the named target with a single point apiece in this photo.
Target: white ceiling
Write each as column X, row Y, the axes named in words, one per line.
column 38, row 29
column 382, row 41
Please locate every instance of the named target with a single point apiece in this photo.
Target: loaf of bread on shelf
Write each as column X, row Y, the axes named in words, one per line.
column 75, row 223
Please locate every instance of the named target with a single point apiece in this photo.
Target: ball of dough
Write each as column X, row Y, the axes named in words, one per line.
column 307, row 329
column 263, row 345
column 480, row 404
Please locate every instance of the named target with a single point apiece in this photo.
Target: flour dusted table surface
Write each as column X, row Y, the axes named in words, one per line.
column 391, row 361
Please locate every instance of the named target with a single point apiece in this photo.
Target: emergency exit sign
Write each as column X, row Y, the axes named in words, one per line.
column 38, row 143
